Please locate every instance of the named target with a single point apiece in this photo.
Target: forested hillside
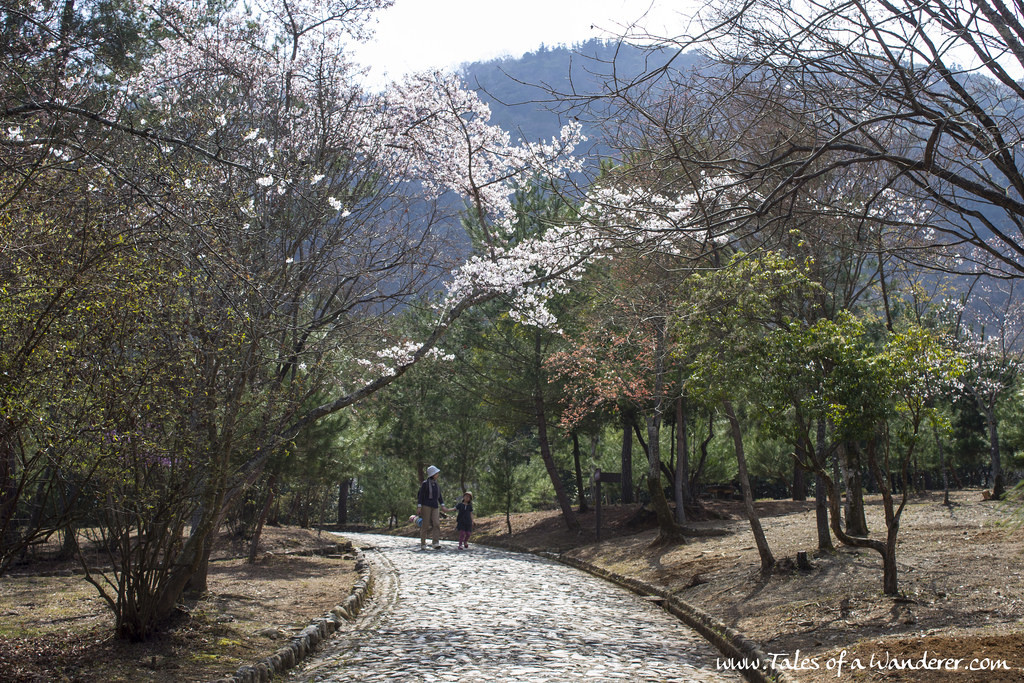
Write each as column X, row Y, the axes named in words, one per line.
column 527, row 95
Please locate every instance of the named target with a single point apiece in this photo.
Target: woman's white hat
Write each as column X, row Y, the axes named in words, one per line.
column 431, row 471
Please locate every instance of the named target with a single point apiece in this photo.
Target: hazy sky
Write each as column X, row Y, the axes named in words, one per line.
column 424, row 34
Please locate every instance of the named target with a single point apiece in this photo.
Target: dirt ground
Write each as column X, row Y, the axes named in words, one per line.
column 54, row 627
column 961, row 601
column 961, row 593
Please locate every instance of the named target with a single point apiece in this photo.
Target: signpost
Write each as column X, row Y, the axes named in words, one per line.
column 599, row 476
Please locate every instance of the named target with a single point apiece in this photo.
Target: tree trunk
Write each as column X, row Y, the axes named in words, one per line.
column 767, row 559
column 211, row 516
column 545, row 447
column 682, row 478
column 8, row 484
column 627, row 457
column 188, row 573
column 581, row 498
column 669, row 531
column 343, row 489
column 939, row 444
column 998, row 485
column 821, row 514
column 305, row 508
column 254, row 544
column 820, row 494
column 198, row 582
column 856, row 520
column 890, row 573
column 699, row 470
column 835, row 519
column 881, row 472
column 47, row 482
column 799, row 483
column 886, row 549
column 838, row 477
column 69, row 542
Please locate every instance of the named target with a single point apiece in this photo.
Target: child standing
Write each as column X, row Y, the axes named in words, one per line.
column 464, row 520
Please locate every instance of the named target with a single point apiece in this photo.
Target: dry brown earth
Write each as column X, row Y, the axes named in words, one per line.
column 960, row 577
column 54, row 627
column 962, row 597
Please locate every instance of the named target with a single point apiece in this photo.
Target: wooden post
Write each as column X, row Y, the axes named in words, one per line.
column 599, row 476
column 802, row 562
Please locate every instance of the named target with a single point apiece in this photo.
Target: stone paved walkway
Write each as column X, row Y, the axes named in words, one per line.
column 488, row 615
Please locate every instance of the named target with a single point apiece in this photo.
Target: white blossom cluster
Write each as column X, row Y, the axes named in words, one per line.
column 636, row 217
column 391, row 359
column 427, row 129
column 440, row 133
column 987, row 345
column 532, row 271
column 612, row 219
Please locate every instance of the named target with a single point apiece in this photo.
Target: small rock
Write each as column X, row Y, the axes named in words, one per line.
column 272, row 633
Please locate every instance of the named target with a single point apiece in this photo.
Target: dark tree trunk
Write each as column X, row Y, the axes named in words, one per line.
column 627, row 457
column 856, row 519
column 881, row 472
column 887, row 553
column 880, row 469
column 668, row 530
column 837, row 479
column 682, row 478
column 47, row 482
column 8, row 484
column 305, row 509
column 343, row 490
column 639, row 434
column 941, row 445
column 205, row 533
column 998, row 485
column 821, row 514
column 699, row 470
column 581, row 498
column 545, row 447
column 799, row 483
column 763, row 550
column 68, row 543
column 198, row 582
column 820, row 493
column 254, row 544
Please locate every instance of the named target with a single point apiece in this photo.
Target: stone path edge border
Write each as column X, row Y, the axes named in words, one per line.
column 726, row 639
column 319, row 630
column 756, row 666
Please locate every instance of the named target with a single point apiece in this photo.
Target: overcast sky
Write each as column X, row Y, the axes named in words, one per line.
column 424, row 34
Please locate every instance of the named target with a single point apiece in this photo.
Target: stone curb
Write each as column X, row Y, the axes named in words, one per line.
column 306, row 642
column 745, row 654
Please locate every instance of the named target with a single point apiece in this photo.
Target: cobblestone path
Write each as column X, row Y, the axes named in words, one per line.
column 488, row 615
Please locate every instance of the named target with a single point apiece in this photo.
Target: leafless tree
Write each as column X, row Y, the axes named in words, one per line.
column 921, row 99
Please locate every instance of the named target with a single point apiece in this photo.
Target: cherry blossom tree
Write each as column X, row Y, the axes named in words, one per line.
column 987, row 330
column 291, row 210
